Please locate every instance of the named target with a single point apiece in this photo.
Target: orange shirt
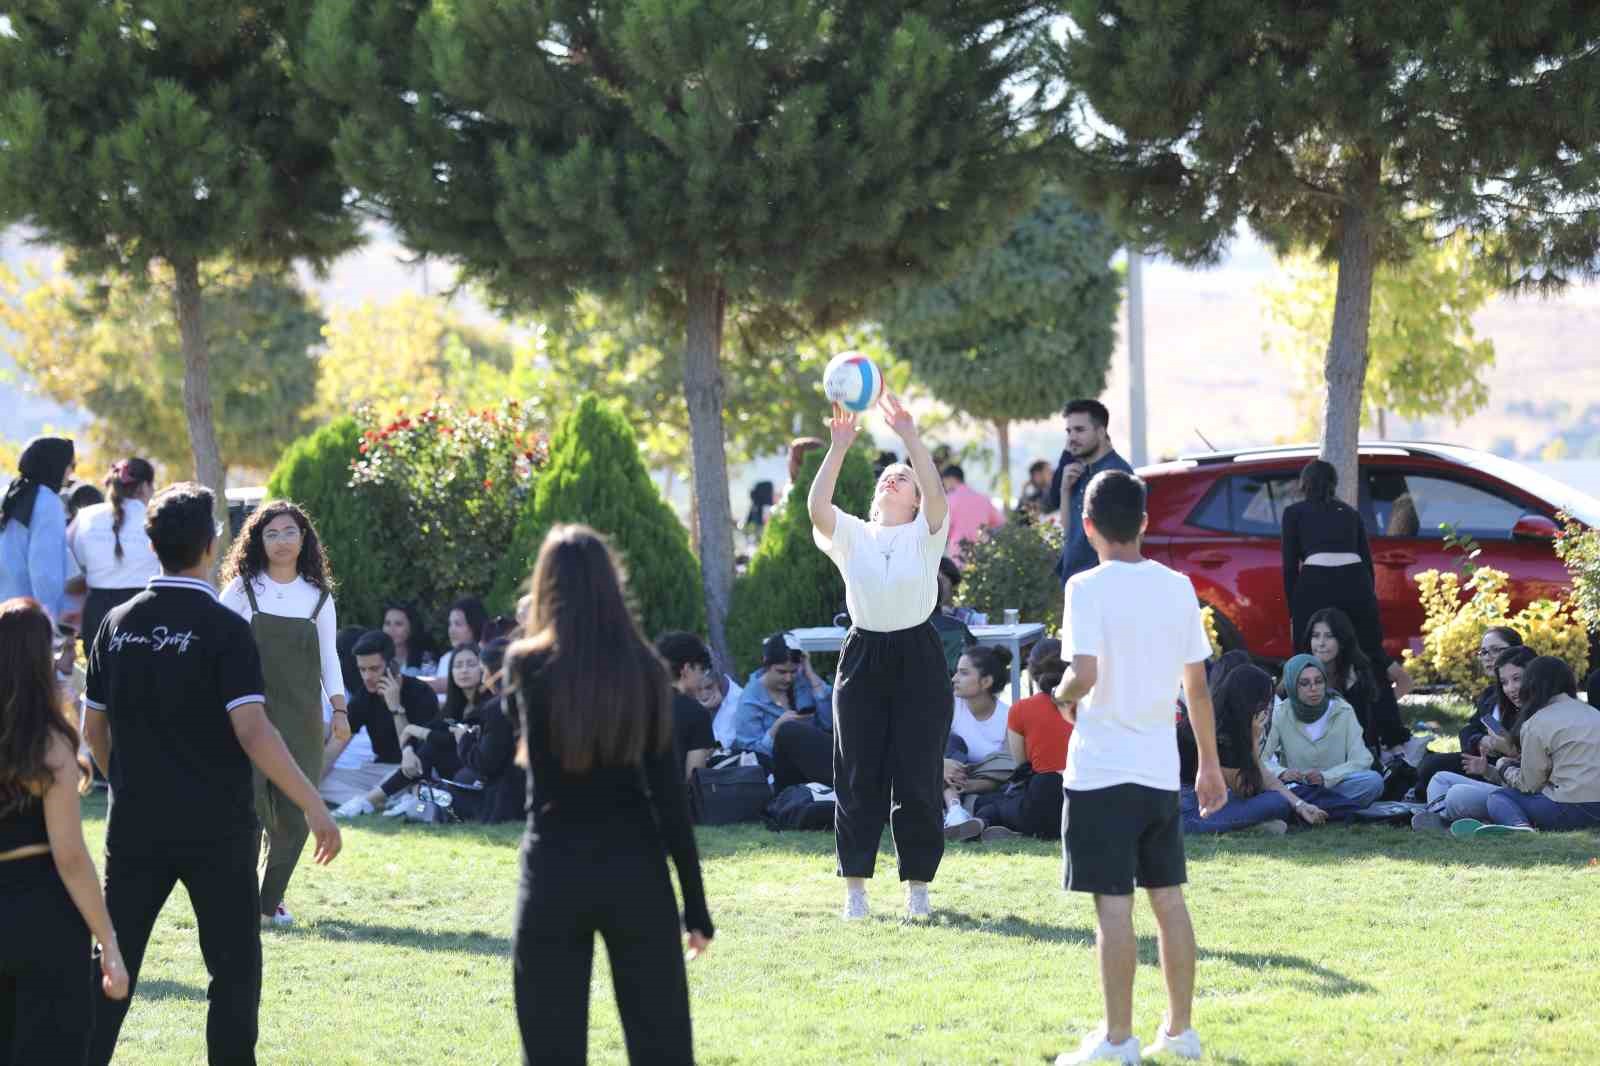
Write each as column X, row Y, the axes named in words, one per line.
column 1044, row 732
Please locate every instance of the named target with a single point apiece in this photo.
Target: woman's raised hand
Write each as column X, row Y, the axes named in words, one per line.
column 843, row 427
column 897, row 416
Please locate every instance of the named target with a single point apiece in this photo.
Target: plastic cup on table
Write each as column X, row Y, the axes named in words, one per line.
column 1012, row 616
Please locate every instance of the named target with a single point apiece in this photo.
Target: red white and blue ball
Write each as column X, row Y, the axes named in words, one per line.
column 852, row 381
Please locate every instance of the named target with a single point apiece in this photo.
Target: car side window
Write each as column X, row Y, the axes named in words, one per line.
column 1418, row 505
column 1252, row 504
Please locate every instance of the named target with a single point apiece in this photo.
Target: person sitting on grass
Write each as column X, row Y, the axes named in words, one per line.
column 382, row 707
column 977, row 759
column 403, row 625
column 1452, row 795
column 688, row 665
column 1256, row 797
column 1315, row 744
column 1556, row 785
column 1495, row 640
column 1037, row 738
column 428, row 749
column 719, row 695
column 463, row 624
column 1331, row 637
column 485, row 743
column 786, row 717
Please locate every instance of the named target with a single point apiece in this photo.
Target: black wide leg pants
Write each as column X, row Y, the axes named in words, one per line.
column 892, row 706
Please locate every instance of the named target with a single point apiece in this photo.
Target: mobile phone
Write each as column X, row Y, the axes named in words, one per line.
column 1493, row 726
column 392, row 667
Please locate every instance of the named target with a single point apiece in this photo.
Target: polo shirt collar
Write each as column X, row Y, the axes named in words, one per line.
column 193, row 584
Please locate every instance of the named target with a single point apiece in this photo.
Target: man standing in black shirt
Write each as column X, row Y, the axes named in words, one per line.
column 176, row 719
column 386, row 703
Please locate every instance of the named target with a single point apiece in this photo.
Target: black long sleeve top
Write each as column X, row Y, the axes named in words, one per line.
column 1313, row 526
column 654, row 790
column 490, row 751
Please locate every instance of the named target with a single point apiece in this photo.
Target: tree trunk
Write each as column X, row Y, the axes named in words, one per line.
column 208, row 468
column 703, row 390
column 1002, row 432
column 1346, row 369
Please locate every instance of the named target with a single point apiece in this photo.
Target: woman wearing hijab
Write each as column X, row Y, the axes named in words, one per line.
column 1314, row 743
column 33, row 526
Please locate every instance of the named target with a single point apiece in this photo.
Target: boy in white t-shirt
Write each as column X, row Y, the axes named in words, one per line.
column 1133, row 627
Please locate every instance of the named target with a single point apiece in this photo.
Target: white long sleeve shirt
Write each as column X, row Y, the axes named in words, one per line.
column 297, row 599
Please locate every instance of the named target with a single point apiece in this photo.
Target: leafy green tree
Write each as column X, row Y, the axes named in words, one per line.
column 368, row 566
column 170, row 131
column 1339, row 125
column 1423, row 356
column 789, row 582
column 1025, row 326
column 594, row 475
column 111, row 345
column 704, row 154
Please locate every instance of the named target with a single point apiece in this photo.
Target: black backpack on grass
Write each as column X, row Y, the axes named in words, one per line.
column 801, row 807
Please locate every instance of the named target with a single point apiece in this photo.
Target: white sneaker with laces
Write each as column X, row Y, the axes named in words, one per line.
column 1096, row 1048
column 398, row 806
column 1184, row 1045
column 918, row 909
column 354, row 807
column 855, row 906
column 959, row 824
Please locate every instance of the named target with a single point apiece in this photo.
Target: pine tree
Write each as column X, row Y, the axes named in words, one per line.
column 170, row 131
column 790, row 583
column 594, row 475
column 1025, row 326
column 797, row 155
column 1338, row 125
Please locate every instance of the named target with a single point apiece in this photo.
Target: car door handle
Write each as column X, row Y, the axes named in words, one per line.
column 1211, row 557
column 1394, row 559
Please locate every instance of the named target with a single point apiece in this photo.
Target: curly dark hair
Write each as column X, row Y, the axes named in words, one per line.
column 247, row 558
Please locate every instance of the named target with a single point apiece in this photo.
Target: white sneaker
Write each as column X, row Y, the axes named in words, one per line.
column 918, row 909
column 1184, row 1045
column 281, row 917
column 398, row 806
column 961, row 825
column 855, row 906
column 353, row 808
column 1096, row 1048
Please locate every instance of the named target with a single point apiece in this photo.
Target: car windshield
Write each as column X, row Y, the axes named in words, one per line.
column 1580, row 505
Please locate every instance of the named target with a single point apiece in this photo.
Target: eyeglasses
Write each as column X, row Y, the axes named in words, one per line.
column 273, row 536
column 1490, row 653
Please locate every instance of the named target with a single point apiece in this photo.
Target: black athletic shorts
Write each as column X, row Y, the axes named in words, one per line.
column 1115, row 838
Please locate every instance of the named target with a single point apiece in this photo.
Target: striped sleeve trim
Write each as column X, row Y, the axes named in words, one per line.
column 92, row 705
column 242, row 700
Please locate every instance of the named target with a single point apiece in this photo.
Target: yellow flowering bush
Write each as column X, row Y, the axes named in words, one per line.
column 1209, row 617
column 1457, row 613
column 1578, row 546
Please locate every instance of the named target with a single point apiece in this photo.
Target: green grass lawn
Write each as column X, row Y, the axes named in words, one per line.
column 1369, row 945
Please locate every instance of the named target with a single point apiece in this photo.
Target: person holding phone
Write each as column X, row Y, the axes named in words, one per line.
column 382, row 707
column 606, row 805
column 785, row 717
column 53, row 900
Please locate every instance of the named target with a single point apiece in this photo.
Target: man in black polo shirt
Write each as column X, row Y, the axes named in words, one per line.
column 176, row 718
column 386, row 703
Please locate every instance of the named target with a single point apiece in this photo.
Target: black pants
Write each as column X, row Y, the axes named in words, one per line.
column 802, row 752
column 44, row 1004
column 221, row 881
column 438, row 753
column 1436, row 762
column 607, row 877
column 892, row 707
column 1031, row 807
column 1350, row 589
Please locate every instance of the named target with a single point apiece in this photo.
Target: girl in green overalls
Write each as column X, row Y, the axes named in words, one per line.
column 277, row 579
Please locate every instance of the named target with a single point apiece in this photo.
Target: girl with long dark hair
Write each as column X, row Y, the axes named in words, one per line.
column 109, row 543
column 1454, row 795
column 1327, row 562
column 1486, row 717
column 892, row 702
column 33, row 526
column 277, row 579
column 1331, row 638
column 606, row 803
column 464, row 623
column 1555, row 782
column 52, row 895
column 1256, row 797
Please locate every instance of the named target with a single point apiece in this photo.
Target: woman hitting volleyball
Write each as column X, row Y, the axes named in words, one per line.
column 891, row 701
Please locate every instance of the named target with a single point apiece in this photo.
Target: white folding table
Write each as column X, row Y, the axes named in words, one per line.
column 831, row 638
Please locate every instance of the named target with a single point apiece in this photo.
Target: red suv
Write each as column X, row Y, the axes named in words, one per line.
column 1216, row 518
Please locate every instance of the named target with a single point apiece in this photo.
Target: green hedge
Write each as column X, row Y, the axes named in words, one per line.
column 1014, row 566
column 369, row 565
column 790, row 583
column 594, row 475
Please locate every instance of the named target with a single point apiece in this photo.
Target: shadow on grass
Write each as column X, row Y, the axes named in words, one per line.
column 159, row 988
column 1323, row 981
column 444, row 940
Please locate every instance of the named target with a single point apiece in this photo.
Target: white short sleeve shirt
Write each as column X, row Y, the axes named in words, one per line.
column 983, row 738
column 891, row 573
column 92, row 544
column 1141, row 622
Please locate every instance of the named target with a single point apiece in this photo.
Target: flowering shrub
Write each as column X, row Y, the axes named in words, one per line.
column 1014, row 566
column 1457, row 614
column 1578, row 547
column 463, row 476
column 1209, row 616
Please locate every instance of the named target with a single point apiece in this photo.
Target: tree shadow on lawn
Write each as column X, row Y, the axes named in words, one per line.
column 159, row 988
column 1320, row 980
column 445, row 940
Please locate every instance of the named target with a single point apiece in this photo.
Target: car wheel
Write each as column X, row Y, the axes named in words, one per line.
column 1227, row 633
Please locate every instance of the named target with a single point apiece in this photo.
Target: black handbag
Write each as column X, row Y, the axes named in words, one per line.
column 729, row 794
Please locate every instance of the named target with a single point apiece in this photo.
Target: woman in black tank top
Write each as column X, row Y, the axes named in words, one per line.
column 52, row 893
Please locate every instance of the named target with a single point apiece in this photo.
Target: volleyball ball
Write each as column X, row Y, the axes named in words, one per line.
column 852, row 381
